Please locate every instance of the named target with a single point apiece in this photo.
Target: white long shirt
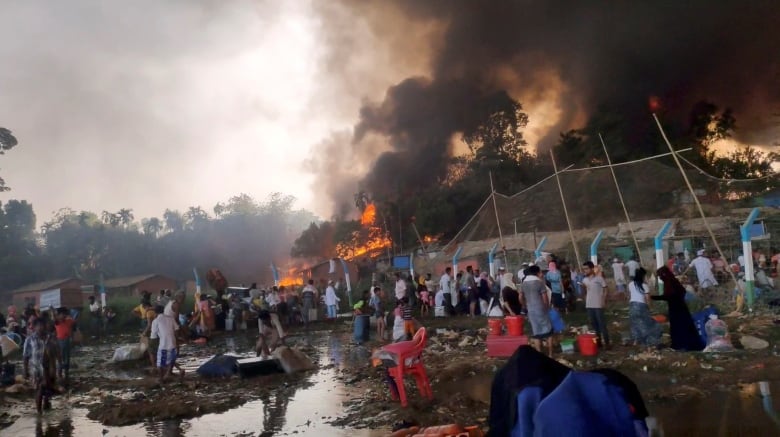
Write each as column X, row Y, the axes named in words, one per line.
column 400, row 289
column 330, row 296
column 617, row 269
column 444, row 283
column 703, row 267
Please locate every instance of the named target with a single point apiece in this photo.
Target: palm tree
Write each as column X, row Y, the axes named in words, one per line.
column 125, row 216
column 109, row 218
column 173, row 220
column 195, row 216
column 151, row 226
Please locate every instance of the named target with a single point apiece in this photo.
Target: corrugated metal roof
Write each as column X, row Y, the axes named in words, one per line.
column 128, row 280
column 45, row 285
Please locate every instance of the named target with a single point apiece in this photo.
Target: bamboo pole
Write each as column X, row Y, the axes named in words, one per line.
column 696, row 201
column 498, row 222
column 565, row 211
column 622, row 203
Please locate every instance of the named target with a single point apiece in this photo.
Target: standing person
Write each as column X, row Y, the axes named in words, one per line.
column 95, row 317
column 683, row 331
column 632, row 265
column 164, row 329
column 555, row 278
column 538, row 308
column 506, row 279
column 400, row 287
column 52, row 361
column 644, row 330
column 309, row 296
column 430, row 284
column 445, row 288
column 152, row 345
column 64, row 326
column 471, row 291
column 33, row 353
column 703, row 267
column 595, row 300
column 620, row 278
column 331, row 300
column 141, row 311
column 425, row 302
column 379, row 312
column 406, row 313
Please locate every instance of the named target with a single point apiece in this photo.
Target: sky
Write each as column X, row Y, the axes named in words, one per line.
column 151, row 105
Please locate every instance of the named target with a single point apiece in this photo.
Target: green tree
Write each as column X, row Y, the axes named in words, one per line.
column 125, row 217
column 7, row 142
column 195, row 217
column 174, row 222
column 746, row 163
column 151, row 226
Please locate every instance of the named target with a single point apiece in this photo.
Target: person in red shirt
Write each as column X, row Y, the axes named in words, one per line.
column 64, row 325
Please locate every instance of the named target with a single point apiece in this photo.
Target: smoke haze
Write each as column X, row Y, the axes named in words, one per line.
column 149, row 104
column 562, row 60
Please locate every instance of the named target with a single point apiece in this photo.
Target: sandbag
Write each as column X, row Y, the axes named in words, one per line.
column 220, row 366
column 292, row 360
column 8, row 346
column 129, row 352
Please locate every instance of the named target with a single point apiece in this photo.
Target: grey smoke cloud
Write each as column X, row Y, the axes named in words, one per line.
column 599, row 54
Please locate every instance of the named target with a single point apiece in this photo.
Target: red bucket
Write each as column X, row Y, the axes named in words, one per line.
column 495, row 326
column 514, row 325
column 587, row 344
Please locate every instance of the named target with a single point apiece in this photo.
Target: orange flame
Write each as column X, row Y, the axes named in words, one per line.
column 428, row 239
column 369, row 215
column 369, row 240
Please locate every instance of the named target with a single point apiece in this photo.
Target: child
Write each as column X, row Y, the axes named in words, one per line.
column 164, row 328
column 152, row 344
column 64, row 326
column 379, row 312
column 406, row 313
column 425, row 303
column 52, row 363
column 33, row 353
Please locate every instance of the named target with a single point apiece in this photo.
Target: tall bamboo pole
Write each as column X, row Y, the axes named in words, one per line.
column 498, row 222
column 565, row 211
column 620, row 196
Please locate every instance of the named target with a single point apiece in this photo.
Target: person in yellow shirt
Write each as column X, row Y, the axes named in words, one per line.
column 141, row 311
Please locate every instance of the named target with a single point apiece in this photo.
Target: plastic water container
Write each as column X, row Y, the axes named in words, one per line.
column 514, row 325
column 494, row 326
column 587, row 343
column 567, row 346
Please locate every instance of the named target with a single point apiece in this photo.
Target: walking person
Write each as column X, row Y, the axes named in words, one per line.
column 164, row 329
column 379, row 312
column 555, row 278
column 644, row 329
column 538, row 308
column 309, row 296
column 331, row 300
column 620, row 278
column 595, row 300
column 33, row 353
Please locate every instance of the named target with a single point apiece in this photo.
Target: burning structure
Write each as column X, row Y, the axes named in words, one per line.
column 368, row 240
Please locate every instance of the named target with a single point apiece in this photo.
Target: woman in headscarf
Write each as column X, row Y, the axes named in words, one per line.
column 538, row 307
column 644, row 329
column 684, row 334
column 553, row 276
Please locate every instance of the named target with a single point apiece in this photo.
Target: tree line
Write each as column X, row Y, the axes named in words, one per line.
column 241, row 236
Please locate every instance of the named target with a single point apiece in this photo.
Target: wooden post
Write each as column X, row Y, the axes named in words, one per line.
column 622, row 203
column 565, row 211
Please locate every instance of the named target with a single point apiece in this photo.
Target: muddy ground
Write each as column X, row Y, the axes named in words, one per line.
column 456, row 361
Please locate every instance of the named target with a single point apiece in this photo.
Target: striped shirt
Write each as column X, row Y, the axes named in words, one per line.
column 406, row 310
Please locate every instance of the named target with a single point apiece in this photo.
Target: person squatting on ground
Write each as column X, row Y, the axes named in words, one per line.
column 595, row 300
column 164, row 328
column 269, row 338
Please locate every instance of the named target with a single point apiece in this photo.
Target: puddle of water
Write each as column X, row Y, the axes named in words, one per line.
column 744, row 412
column 305, row 413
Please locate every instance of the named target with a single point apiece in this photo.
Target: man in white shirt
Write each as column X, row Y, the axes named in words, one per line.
column 632, row 266
column 331, row 300
column 703, row 267
column 595, row 300
column 521, row 273
column 445, row 286
column 164, row 328
column 619, row 276
column 400, row 286
column 506, row 279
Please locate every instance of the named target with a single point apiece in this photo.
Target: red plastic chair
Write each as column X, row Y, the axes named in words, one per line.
column 410, row 362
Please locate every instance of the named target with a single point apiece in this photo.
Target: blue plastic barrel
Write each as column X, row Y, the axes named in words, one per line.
column 361, row 328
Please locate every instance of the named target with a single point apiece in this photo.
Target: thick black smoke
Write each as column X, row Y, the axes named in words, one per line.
column 608, row 55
